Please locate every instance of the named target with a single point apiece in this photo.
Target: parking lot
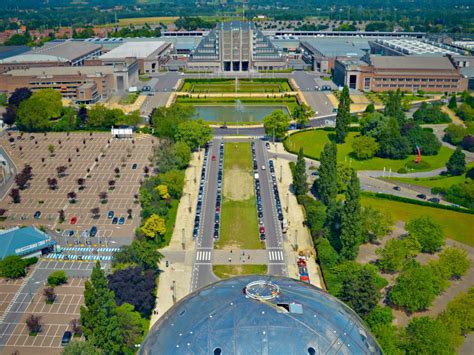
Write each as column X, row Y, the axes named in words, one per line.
column 113, row 166
column 55, row 319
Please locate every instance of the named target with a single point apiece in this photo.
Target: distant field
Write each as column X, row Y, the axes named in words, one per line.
column 228, row 86
column 457, row 226
column 227, row 271
column 167, row 20
column 313, row 141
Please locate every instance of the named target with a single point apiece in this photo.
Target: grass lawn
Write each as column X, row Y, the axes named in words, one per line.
column 455, row 224
column 313, row 142
column 170, row 222
column 227, row 271
column 290, row 102
column 229, row 85
column 129, row 99
column 435, row 181
column 239, row 224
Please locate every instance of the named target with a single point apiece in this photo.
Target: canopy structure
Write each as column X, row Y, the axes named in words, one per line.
column 122, row 132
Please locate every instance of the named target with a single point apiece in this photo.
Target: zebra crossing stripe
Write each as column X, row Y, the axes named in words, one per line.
column 204, row 256
column 276, row 255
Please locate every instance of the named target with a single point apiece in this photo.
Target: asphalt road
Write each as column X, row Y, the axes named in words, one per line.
column 202, row 268
column 274, row 239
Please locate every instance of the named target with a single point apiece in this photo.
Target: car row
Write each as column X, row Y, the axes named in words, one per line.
column 261, row 228
column 197, row 218
column 217, row 219
column 271, row 167
column 421, row 196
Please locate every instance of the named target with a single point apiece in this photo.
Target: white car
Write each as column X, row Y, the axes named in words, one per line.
column 263, row 167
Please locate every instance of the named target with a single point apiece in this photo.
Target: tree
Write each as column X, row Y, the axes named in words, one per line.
column 370, row 108
column 379, row 315
column 425, row 335
column 15, row 195
column 51, row 149
column 34, row 324
column 388, row 337
column 52, row 183
column 351, row 226
column 302, row 114
column 134, row 286
column 343, row 117
column 276, row 124
column 99, row 317
column 194, row 133
column 132, row 326
column 396, row 252
column 80, row 347
column 18, row 96
column 129, row 213
column 430, row 113
column 300, row 177
column 163, row 191
column 72, row 196
column 456, row 164
column 425, row 139
column 57, row 278
column 415, row 288
column 34, row 114
column 459, row 313
column 153, row 226
column 21, row 181
column 429, row 233
column 360, row 292
column 12, row 267
column 364, row 147
column 168, row 155
column 76, row 326
column 392, row 144
column 49, row 295
column 344, row 174
column 61, row 170
column 9, row 116
column 174, row 180
column 111, row 184
column 455, row 261
column 82, row 115
column 95, row 212
column 165, row 120
column 326, row 185
column 453, row 105
column 455, row 133
column 393, row 106
column 142, row 253
column 375, row 224
column 103, row 196
column 62, row 216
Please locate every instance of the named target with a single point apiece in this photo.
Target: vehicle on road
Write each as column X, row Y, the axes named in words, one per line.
column 66, row 338
column 434, row 200
column 37, row 215
column 93, row 231
column 73, row 220
column 422, row 196
column 397, row 188
column 263, row 167
column 213, row 158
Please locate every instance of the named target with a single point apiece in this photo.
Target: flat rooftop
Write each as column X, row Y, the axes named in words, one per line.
column 53, row 71
column 138, row 49
column 410, row 62
column 412, row 46
column 64, row 51
column 339, row 47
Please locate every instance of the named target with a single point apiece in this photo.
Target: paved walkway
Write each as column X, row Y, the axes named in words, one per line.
column 438, row 130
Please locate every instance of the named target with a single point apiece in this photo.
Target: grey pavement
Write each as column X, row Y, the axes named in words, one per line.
column 274, row 238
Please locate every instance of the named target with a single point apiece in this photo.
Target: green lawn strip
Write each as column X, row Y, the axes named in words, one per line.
column 170, row 222
column 228, row 85
column 457, row 226
column 239, row 224
column 313, row 142
column 129, row 99
column 435, row 181
column 227, row 271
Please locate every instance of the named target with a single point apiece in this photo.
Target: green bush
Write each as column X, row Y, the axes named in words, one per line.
column 13, row 267
column 379, row 315
column 57, row 278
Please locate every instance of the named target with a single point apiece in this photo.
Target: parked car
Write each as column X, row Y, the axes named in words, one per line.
column 110, row 214
column 93, row 231
column 66, row 338
column 73, row 220
column 37, row 215
column 121, row 220
column 261, row 229
column 114, row 220
column 134, row 166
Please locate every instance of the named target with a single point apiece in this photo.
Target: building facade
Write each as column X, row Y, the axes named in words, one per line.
column 236, row 47
column 407, row 73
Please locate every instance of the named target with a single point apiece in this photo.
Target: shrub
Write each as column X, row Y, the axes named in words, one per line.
column 429, row 233
column 13, row 267
column 57, row 278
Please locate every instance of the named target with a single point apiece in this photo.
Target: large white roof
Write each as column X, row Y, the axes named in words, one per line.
column 139, row 50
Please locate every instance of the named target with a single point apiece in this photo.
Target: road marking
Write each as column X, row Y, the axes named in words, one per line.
column 276, row 255
column 203, row 255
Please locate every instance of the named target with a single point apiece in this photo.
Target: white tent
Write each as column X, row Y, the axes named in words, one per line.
column 124, row 132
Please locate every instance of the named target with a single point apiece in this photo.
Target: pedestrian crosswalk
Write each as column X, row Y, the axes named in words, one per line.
column 203, row 255
column 56, row 256
column 85, row 250
column 276, row 256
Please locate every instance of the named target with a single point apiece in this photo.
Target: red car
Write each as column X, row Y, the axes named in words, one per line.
column 73, row 220
column 213, row 158
column 261, row 229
